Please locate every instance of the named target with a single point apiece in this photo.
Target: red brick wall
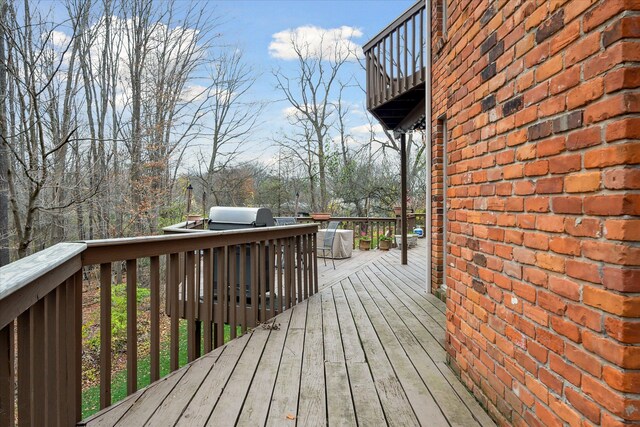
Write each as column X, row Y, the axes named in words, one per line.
column 541, row 101
column 437, row 208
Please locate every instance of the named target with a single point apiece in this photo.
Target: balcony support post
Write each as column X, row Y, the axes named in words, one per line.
column 403, row 195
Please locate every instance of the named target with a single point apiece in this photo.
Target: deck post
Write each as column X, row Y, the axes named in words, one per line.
column 403, row 196
column 429, row 131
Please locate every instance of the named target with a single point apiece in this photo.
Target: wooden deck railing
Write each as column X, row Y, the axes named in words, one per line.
column 371, row 227
column 238, row 277
column 395, row 58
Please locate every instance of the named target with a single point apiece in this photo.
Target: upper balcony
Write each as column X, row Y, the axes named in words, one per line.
column 396, row 70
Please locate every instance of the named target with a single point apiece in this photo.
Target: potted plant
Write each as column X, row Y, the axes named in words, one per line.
column 321, row 216
column 384, row 243
column 365, row 243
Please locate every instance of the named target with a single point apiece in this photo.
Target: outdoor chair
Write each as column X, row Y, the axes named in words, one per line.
column 327, row 242
column 285, row 220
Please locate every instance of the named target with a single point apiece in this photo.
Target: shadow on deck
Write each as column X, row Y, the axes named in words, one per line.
column 368, row 349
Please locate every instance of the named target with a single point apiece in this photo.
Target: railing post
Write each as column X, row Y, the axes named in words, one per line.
column 403, row 195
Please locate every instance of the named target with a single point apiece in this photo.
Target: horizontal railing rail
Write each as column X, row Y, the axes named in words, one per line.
column 395, row 58
column 206, row 279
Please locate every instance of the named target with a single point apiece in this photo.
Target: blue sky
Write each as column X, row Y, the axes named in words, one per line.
column 251, row 25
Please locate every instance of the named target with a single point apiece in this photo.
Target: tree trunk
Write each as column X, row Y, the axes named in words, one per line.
column 4, row 152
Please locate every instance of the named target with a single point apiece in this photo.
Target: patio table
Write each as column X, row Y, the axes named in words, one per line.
column 342, row 244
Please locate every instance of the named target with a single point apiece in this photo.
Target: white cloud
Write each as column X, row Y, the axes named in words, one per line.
column 365, row 130
column 193, row 92
column 316, row 42
column 290, row 112
column 60, row 39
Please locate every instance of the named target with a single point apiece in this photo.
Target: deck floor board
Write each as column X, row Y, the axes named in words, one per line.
column 368, row 349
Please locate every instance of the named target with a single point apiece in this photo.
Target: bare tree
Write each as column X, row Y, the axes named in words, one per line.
column 309, row 92
column 35, row 139
column 301, row 146
column 4, row 152
column 233, row 118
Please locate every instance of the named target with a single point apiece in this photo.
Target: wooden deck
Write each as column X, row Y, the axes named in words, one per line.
column 368, row 349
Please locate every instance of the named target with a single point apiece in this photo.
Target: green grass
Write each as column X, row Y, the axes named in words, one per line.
column 91, row 396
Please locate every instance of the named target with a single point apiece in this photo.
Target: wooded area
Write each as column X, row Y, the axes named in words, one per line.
column 100, row 101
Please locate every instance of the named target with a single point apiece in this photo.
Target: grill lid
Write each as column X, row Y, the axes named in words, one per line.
column 228, row 218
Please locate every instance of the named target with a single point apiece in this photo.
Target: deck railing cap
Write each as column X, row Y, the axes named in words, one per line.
column 181, row 234
column 20, row 273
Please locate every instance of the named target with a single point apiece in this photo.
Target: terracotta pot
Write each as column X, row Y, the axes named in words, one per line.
column 364, row 245
column 384, row 245
column 321, row 216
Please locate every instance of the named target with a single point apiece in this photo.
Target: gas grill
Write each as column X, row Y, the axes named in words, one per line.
column 231, row 218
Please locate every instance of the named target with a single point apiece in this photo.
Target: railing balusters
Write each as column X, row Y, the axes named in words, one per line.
column 398, row 65
column 414, row 68
column 74, row 347
column 233, row 280
column 369, row 87
column 298, row 265
column 154, row 285
column 132, row 324
column 198, row 314
column 243, row 287
column 292, row 270
column 7, row 380
column 48, row 342
column 314, row 238
column 198, row 292
column 182, row 293
column 254, row 283
column 37, row 363
column 405, row 79
column 391, row 66
column 24, row 371
column 272, row 277
column 390, row 72
column 221, row 290
column 287, row 276
column 376, row 73
column 423, row 60
column 191, row 305
column 50, row 355
column 263, row 281
column 61, row 325
column 173, row 284
column 105, row 335
column 279, row 260
column 305, row 265
column 207, row 318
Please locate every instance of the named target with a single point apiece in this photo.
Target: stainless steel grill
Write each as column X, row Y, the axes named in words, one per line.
column 232, row 218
